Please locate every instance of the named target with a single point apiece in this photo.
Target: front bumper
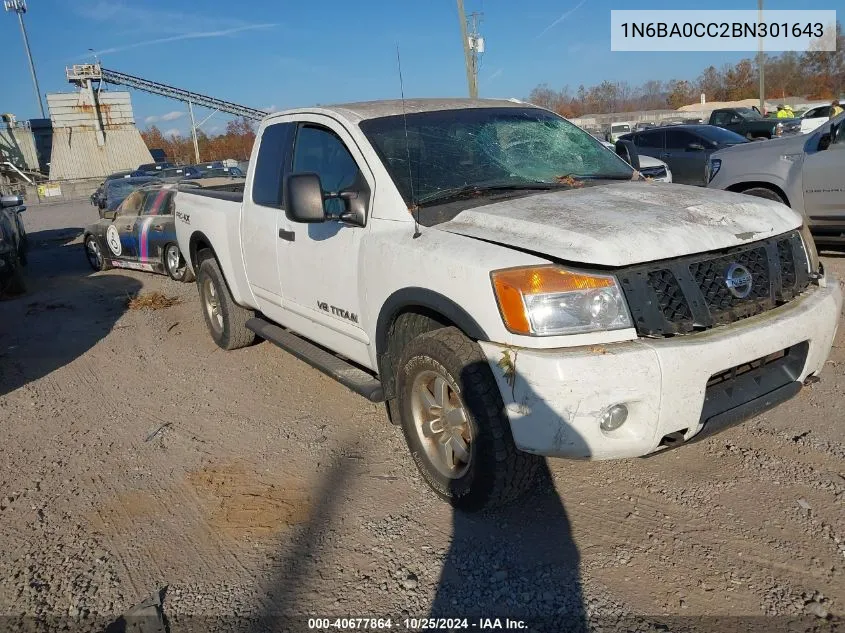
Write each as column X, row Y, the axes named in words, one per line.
column 555, row 398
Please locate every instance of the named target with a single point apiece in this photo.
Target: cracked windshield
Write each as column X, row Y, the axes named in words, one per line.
column 433, row 156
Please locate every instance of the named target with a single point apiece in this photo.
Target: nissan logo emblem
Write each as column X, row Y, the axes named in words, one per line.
column 739, row 281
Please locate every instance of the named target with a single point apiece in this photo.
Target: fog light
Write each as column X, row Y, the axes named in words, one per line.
column 613, row 417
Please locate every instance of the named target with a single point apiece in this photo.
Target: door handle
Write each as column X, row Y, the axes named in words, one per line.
column 290, row 236
column 128, row 227
column 158, row 227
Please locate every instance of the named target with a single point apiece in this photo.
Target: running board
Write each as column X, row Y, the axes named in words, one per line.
column 345, row 373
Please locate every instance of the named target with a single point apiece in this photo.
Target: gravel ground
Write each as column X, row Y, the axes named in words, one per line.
column 137, row 455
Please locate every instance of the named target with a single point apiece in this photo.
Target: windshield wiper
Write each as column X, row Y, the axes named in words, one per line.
column 479, row 190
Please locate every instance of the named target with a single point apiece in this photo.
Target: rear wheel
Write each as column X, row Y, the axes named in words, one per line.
column 763, row 192
column 94, row 254
column 455, row 425
column 15, row 284
column 175, row 264
column 225, row 319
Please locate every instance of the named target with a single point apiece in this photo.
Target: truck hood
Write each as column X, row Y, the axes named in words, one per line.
column 784, row 144
column 626, row 223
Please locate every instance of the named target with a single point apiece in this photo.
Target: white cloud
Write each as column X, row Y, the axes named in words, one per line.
column 561, row 19
column 193, row 35
column 174, row 131
column 169, row 116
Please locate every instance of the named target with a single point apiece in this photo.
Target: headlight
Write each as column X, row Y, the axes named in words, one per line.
column 713, row 168
column 549, row 300
column 810, row 249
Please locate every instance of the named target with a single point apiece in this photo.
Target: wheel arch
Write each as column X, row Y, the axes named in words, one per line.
column 740, row 187
column 199, row 242
column 406, row 314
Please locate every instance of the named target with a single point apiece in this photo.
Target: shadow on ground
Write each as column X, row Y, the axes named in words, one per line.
column 64, row 313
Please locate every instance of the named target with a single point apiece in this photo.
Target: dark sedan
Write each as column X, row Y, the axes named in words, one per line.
column 13, row 245
column 116, row 191
column 175, row 174
column 139, row 234
column 685, row 148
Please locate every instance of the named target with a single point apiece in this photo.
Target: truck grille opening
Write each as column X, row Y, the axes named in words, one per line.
column 694, row 293
column 735, row 372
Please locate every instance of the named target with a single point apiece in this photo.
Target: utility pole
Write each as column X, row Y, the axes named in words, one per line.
column 473, row 47
column 194, row 132
column 761, row 61
column 19, row 7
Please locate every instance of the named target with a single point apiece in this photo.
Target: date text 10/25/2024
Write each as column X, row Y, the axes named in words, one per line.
column 415, row 624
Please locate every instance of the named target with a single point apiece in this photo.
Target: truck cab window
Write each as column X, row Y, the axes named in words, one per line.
column 320, row 151
column 272, row 156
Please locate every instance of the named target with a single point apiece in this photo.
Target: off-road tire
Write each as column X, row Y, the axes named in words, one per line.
column 498, row 472
column 233, row 334
column 764, row 192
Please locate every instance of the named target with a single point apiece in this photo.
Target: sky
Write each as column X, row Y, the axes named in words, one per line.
column 276, row 54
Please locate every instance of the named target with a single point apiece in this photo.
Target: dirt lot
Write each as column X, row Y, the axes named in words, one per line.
column 137, row 455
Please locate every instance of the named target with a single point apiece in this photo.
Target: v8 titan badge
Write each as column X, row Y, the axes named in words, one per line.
column 113, row 240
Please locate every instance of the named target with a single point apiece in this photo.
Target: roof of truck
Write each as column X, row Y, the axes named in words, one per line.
column 374, row 109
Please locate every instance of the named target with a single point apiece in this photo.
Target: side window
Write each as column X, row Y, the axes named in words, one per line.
column 133, row 203
column 270, row 164
column 650, row 139
column 158, row 203
column 720, row 118
column 320, row 151
column 735, row 118
column 680, row 139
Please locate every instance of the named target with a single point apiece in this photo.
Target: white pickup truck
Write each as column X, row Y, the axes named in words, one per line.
column 510, row 287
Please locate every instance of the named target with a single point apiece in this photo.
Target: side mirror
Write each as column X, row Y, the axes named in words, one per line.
column 627, row 151
column 304, row 198
column 695, row 147
column 10, row 201
column 109, row 215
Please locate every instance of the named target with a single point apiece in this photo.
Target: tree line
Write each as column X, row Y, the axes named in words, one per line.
column 815, row 75
column 236, row 142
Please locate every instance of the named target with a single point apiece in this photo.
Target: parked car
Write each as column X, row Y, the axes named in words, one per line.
column 814, row 118
column 152, row 169
column 175, row 174
column 99, row 194
column 805, row 172
column 685, row 148
column 118, row 189
column 616, row 130
column 748, row 122
column 139, row 234
column 13, row 245
column 507, row 286
column 204, row 167
column 221, row 172
column 650, row 167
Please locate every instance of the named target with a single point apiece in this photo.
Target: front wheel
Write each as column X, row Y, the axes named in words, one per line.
column 94, row 254
column 175, row 264
column 226, row 320
column 455, row 425
column 763, row 192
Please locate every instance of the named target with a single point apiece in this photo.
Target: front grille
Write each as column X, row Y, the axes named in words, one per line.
column 694, row 293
